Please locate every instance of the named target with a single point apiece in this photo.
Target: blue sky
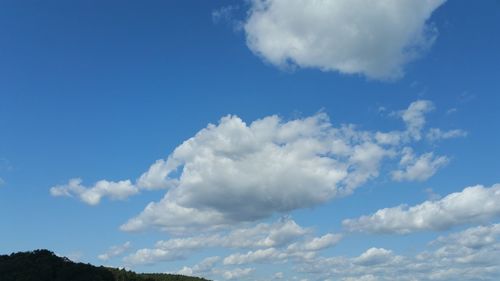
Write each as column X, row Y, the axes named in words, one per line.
column 323, row 115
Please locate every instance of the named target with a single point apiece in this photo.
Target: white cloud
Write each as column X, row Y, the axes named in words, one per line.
column 151, row 256
column 234, row 172
column 257, row 256
column 436, row 134
column 279, row 234
column 473, row 238
column 323, row 242
column 414, row 117
column 468, row 255
column 114, row 251
column 282, row 240
column 166, row 250
column 303, row 250
column 201, row 269
column 156, row 177
column 237, row 172
column 263, row 235
column 373, row 38
column 236, row 273
column 186, row 271
column 474, row 204
column 374, row 256
column 418, row 168
column 391, row 138
column 93, row 195
column 365, row 161
column 316, row 244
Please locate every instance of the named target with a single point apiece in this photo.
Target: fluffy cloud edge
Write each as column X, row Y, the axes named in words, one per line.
column 474, row 204
column 372, row 38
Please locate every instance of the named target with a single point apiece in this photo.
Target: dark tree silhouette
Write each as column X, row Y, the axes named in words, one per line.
column 43, row 265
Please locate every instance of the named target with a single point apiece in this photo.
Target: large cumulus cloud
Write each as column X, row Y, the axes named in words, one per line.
column 373, row 38
column 233, row 172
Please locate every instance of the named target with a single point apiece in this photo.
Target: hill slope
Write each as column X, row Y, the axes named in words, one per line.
column 43, row 265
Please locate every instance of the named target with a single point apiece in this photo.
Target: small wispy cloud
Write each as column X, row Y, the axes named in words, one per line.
column 115, row 251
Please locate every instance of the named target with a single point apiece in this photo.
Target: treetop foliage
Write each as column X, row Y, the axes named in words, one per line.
column 44, row 265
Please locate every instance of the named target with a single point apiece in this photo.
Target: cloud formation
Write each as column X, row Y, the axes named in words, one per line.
column 237, row 172
column 463, row 255
column 451, row 260
column 203, row 268
column 436, row 134
column 374, row 256
column 414, row 117
column 283, row 237
column 475, row 204
column 466, row 255
column 93, row 195
column 418, row 168
column 114, row 251
column 234, row 172
column 236, row 273
column 373, row 38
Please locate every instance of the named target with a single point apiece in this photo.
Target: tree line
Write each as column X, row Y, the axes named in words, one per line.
column 44, row 265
